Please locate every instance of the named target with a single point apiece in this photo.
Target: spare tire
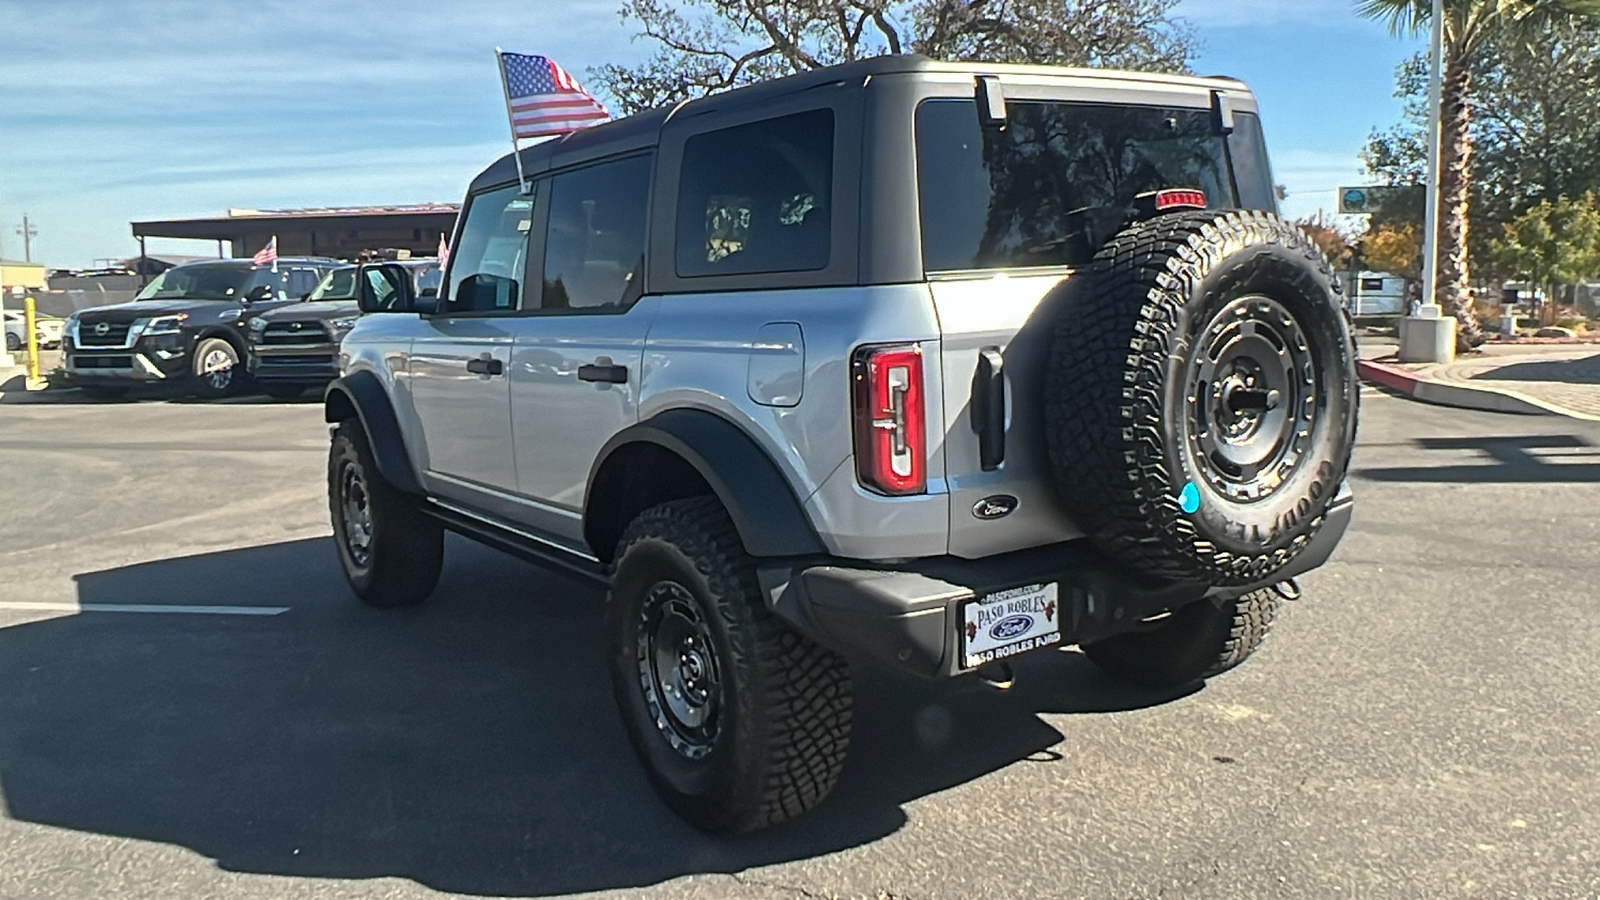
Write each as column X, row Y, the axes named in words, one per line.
column 1200, row 402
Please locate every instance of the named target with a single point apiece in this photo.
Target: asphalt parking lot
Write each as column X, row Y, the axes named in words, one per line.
column 192, row 704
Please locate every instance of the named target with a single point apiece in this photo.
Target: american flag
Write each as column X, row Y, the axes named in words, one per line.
column 267, row 254
column 544, row 99
column 443, row 252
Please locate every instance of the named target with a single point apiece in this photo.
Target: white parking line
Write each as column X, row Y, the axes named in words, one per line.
column 145, row 608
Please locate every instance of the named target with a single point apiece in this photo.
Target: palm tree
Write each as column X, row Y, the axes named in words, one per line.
column 1469, row 25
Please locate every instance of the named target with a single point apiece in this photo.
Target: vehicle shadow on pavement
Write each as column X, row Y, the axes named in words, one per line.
column 1585, row 370
column 471, row 745
column 1518, row 459
column 148, row 394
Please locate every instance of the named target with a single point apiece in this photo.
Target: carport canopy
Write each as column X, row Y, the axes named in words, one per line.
column 339, row 232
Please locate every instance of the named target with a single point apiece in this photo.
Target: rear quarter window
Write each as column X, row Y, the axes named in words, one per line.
column 756, row 198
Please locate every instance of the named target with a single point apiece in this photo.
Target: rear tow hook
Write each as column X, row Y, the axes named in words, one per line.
column 997, row 675
column 1288, row 590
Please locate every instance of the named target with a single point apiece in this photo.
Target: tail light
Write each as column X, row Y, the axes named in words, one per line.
column 890, row 425
column 1147, row 206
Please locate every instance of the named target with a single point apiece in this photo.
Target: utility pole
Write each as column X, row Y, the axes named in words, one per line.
column 28, row 233
column 1428, row 333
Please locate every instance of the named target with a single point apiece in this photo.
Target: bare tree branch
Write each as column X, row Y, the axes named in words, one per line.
column 709, row 45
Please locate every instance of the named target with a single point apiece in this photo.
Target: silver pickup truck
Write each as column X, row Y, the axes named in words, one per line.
column 897, row 363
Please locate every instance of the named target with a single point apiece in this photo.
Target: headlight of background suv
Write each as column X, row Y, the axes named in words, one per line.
column 342, row 325
column 165, row 324
column 257, row 325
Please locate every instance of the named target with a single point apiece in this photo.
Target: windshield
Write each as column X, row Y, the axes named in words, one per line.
column 1060, row 179
column 340, row 284
column 203, row 282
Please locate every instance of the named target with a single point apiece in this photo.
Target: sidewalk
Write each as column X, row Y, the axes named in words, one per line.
column 1537, row 379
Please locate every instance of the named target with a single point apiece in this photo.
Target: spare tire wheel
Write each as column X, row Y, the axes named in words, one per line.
column 1201, row 397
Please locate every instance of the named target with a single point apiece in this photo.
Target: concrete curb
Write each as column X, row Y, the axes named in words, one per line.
column 1460, row 396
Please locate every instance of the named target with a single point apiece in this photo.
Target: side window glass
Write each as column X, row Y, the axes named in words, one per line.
column 486, row 266
column 594, row 250
column 302, row 282
column 756, row 197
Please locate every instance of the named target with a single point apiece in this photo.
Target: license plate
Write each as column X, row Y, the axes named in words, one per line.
column 1009, row 622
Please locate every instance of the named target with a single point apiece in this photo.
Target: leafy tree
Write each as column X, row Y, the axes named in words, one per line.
column 1330, row 239
column 1534, row 133
column 1470, row 26
column 703, row 46
column 1394, row 248
column 1554, row 245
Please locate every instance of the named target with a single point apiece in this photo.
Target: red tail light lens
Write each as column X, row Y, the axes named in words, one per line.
column 1156, row 202
column 890, row 423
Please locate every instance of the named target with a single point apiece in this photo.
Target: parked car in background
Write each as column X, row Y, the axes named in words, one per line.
column 46, row 328
column 184, row 326
column 296, row 347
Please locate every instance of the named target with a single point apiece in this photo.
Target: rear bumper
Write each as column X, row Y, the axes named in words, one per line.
column 908, row 617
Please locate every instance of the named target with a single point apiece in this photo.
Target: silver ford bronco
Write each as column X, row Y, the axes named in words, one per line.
column 902, row 363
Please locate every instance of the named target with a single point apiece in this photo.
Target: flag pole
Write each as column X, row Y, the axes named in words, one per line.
column 511, row 119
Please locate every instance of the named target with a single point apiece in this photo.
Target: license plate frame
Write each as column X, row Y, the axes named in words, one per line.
column 992, row 626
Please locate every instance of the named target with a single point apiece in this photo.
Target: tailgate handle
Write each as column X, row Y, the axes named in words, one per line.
column 989, row 408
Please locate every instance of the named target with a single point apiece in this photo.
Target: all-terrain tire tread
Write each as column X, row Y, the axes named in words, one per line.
column 1106, row 390
column 804, row 690
column 408, row 550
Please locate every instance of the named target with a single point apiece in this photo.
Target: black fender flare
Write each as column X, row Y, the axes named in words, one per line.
column 769, row 518
column 360, row 395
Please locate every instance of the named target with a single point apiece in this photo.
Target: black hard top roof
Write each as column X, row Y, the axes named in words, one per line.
column 643, row 130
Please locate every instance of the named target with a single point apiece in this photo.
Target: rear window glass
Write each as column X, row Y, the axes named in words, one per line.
column 756, row 197
column 1060, row 179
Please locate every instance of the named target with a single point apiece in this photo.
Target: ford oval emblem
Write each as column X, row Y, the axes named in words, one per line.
column 1010, row 627
column 997, row 507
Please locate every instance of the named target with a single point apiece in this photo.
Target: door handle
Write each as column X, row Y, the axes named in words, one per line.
column 486, row 366
column 602, row 370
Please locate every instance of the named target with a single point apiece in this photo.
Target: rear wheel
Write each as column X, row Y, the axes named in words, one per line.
column 1190, row 644
column 217, row 372
column 739, row 721
column 390, row 550
column 13, row 342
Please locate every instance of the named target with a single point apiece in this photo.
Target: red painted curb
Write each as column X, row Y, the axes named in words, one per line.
column 1392, row 377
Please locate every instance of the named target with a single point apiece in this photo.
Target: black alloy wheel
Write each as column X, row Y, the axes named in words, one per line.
column 1251, row 395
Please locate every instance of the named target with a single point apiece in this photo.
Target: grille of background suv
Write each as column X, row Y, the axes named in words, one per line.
column 116, row 334
column 295, row 333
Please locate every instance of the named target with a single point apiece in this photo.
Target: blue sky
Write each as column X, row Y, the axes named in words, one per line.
column 113, row 110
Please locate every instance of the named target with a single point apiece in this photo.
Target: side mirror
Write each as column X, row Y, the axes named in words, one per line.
column 385, row 287
column 258, row 293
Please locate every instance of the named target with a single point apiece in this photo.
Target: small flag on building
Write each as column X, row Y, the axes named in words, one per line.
column 543, row 99
column 267, row 254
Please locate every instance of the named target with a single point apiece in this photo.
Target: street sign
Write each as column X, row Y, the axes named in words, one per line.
column 1360, row 201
